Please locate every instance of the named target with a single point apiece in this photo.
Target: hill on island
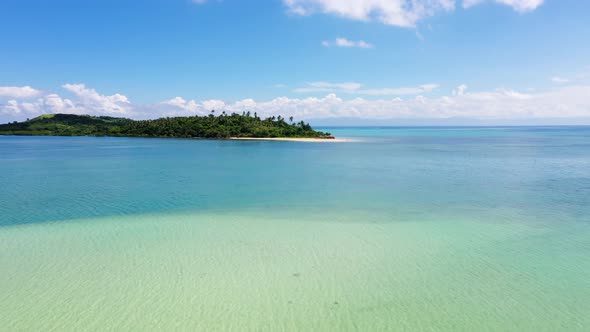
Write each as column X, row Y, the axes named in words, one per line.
column 211, row 126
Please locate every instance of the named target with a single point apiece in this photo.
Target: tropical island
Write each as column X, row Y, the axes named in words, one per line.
column 222, row 126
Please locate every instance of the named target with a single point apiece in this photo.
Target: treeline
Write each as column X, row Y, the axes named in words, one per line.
column 212, row 126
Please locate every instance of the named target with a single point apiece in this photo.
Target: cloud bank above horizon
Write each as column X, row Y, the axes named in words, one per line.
column 562, row 101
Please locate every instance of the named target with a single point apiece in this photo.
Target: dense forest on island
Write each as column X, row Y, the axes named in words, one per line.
column 212, row 126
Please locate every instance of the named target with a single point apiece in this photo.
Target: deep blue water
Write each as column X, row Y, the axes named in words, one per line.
column 489, row 174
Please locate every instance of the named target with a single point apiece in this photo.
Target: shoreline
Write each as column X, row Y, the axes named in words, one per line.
column 292, row 139
column 286, row 139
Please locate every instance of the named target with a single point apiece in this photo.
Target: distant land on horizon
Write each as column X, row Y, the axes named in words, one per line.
column 221, row 126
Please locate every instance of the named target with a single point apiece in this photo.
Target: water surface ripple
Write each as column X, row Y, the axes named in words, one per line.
column 439, row 229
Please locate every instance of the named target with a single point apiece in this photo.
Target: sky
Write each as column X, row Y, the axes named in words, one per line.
column 329, row 61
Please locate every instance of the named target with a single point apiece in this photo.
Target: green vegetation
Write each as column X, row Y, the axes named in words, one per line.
column 211, row 126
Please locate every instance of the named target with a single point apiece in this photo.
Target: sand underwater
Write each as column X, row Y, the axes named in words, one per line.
column 400, row 229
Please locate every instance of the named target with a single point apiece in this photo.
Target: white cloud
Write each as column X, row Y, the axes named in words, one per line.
column 402, row 13
column 460, row 90
column 343, row 42
column 199, row 2
column 214, row 105
column 180, row 103
column 88, row 101
column 558, row 102
column 520, row 6
column 18, row 92
column 51, row 103
column 355, row 88
column 560, row 80
column 94, row 102
column 10, row 108
column 561, row 102
column 192, row 107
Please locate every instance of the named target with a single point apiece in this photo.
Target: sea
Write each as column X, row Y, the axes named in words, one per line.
column 396, row 229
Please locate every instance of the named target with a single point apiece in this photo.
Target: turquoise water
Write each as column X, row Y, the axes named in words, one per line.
column 440, row 229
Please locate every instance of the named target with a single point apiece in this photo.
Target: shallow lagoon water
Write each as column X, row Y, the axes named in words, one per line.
column 440, row 229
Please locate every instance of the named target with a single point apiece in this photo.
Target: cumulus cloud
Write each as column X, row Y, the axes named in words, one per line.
column 393, row 12
column 460, row 90
column 18, row 92
column 94, row 102
column 356, row 88
column 343, row 42
column 562, row 102
column 558, row 102
column 87, row 101
column 51, row 103
column 402, row 13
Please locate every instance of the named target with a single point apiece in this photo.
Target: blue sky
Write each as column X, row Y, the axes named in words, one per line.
column 311, row 58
